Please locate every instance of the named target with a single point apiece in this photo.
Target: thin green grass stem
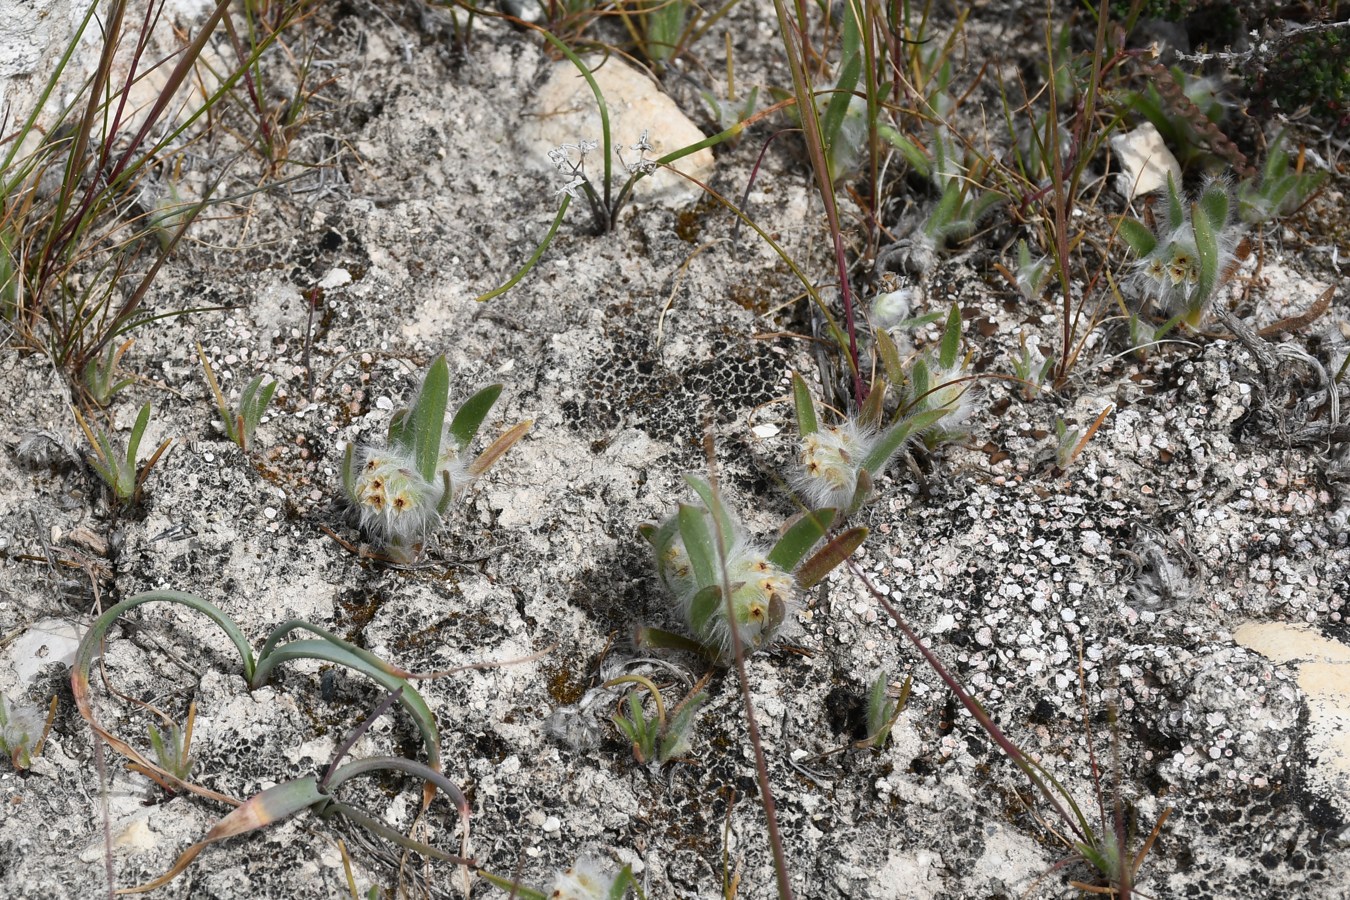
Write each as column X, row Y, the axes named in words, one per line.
column 535, row 257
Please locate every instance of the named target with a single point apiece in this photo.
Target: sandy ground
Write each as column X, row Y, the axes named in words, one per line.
column 1188, row 570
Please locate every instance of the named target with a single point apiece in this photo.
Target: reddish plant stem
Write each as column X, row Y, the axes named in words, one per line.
column 780, row 866
column 806, row 108
column 1011, row 750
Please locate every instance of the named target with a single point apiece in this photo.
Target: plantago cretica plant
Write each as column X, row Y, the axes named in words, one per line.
column 256, row 671
column 317, row 793
column 1283, row 187
column 240, row 423
column 399, row 492
column 22, row 732
column 659, row 738
column 838, row 464
column 700, row 544
column 1187, row 256
column 882, row 712
column 584, row 880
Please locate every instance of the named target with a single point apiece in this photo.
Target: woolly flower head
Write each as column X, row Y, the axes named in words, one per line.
column 952, row 390
column 760, row 593
column 394, row 503
column 584, row 880
column 1183, row 263
column 21, row 728
column 830, row 463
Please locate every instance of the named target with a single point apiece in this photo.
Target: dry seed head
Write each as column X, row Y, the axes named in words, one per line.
column 829, row 462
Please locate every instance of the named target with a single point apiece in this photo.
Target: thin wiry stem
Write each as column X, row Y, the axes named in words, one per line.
column 780, row 867
column 1011, row 750
column 815, row 147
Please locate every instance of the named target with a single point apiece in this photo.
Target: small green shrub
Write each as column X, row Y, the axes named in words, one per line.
column 1306, row 67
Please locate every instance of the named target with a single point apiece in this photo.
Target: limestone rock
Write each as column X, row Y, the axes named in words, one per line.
column 564, row 114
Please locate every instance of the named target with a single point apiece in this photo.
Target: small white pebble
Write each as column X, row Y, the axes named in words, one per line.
column 269, row 512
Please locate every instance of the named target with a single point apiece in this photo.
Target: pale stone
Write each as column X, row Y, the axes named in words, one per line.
column 45, row 642
column 564, row 111
column 1145, row 162
column 1323, row 667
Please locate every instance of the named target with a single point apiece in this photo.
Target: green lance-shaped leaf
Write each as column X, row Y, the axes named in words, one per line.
column 134, row 442
column 1176, row 210
column 418, row 431
column 698, row 543
column 705, row 604
column 800, row 537
column 912, row 152
column 1214, row 205
column 719, row 510
column 675, row 739
column 662, row 536
column 919, row 381
column 814, row 570
column 804, row 406
column 341, row 653
column 944, row 214
column 252, row 404
column 428, row 418
column 348, row 476
column 894, row 438
column 469, row 417
column 881, row 712
column 1138, row 236
column 1207, row 249
column 951, row 339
